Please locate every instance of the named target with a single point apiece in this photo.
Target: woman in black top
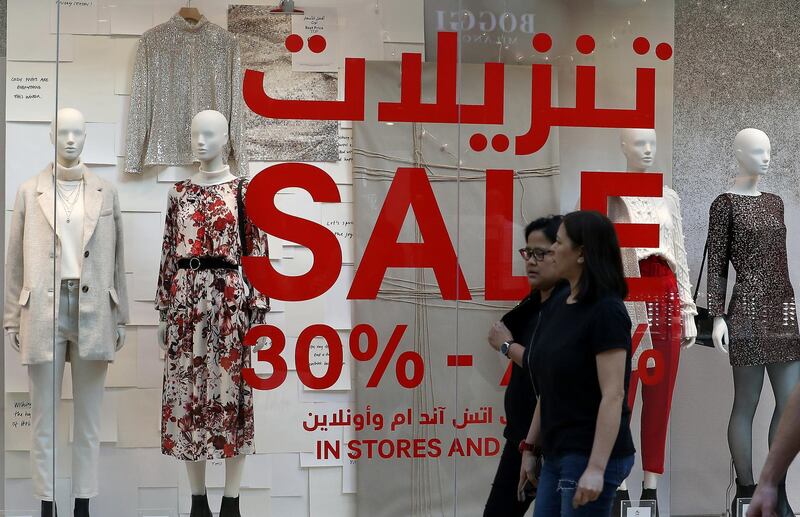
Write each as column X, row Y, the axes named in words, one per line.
column 580, row 366
column 511, row 336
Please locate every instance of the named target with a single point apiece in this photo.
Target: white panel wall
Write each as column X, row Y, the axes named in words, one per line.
column 95, row 78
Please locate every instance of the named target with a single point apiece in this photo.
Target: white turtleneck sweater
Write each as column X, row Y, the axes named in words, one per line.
column 70, row 233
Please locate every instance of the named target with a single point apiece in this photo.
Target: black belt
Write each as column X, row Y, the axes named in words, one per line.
column 196, row 263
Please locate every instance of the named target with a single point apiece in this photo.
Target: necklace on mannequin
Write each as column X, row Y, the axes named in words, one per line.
column 69, row 198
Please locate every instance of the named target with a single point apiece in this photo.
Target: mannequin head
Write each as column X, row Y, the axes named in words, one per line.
column 753, row 152
column 209, row 137
column 68, row 134
column 639, row 148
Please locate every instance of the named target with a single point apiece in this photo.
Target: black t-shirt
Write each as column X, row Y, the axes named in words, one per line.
column 520, row 401
column 564, row 368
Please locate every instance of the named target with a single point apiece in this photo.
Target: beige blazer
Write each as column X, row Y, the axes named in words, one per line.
column 32, row 291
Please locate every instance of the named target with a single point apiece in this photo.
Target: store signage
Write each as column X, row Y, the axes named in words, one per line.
column 487, row 31
column 447, row 110
column 410, row 190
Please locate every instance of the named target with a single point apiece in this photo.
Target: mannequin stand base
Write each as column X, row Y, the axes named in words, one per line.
column 230, row 507
column 621, row 495
column 200, row 506
column 650, row 494
column 49, row 509
column 81, row 507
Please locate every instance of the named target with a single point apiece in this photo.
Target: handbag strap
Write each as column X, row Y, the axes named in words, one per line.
column 241, row 218
column 700, row 275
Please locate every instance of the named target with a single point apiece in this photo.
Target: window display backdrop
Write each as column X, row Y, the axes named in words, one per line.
column 704, row 168
column 307, row 461
column 98, row 55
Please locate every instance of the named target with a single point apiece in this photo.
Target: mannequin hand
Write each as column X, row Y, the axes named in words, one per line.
column 162, row 335
column 688, row 330
column 765, row 501
column 13, row 338
column 262, row 343
column 719, row 334
column 120, row 337
column 499, row 334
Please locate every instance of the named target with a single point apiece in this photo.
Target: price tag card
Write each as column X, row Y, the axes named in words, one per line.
column 638, row 509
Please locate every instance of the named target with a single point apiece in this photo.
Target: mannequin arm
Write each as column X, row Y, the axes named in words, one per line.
column 162, row 335
column 15, row 266
column 688, row 329
column 719, row 334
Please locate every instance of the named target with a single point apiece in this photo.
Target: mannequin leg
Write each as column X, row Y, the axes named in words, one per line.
column 88, row 382
column 234, row 470
column 44, row 391
column 45, row 382
column 747, row 383
column 657, row 402
column 196, row 471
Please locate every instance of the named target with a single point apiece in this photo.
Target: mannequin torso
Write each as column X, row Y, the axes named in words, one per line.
column 68, row 135
column 753, row 153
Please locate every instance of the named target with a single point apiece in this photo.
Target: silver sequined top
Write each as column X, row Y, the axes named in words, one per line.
column 749, row 232
column 183, row 68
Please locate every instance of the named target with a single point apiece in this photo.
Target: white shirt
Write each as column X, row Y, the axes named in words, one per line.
column 70, row 233
column 666, row 212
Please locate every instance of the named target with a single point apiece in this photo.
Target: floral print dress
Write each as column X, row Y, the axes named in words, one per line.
column 207, row 408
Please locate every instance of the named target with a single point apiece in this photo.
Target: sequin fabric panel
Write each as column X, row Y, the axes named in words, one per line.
column 749, row 233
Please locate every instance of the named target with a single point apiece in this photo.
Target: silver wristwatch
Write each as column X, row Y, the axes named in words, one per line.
column 505, row 347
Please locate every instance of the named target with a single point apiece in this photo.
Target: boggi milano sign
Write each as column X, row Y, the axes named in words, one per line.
column 485, row 29
column 485, row 26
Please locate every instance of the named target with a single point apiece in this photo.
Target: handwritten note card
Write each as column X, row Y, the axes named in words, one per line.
column 18, row 422
column 30, row 91
column 74, row 17
column 338, row 219
column 323, row 22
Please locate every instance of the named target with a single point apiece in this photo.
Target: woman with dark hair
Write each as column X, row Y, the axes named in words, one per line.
column 580, row 366
column 510, row 336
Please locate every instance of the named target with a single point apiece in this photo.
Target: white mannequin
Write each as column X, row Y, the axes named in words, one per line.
column 209, row 136
column 88, row 343
column 69, row 144
column 753, row 151
column 639, row 148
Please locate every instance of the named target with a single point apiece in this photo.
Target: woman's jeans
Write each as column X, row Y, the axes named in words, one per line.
column 559, row 481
